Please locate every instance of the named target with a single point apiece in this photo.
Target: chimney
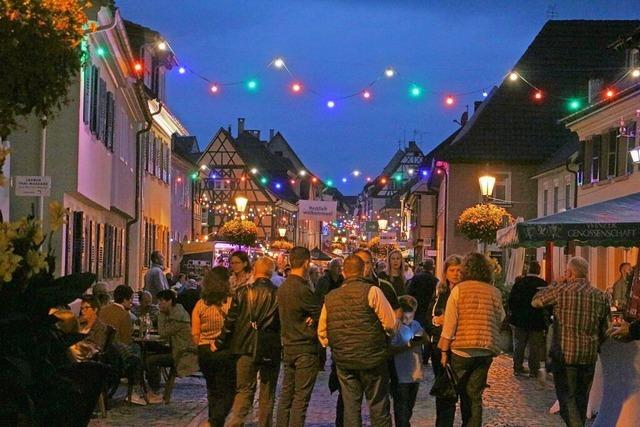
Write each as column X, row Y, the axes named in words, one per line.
column 229, row 129
column 272, row 133
column 595, row 86
column 240, row 125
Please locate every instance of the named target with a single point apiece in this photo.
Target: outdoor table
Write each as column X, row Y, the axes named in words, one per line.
column 620, row 384
column 150, row 344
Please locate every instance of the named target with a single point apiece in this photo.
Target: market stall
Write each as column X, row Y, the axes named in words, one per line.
column 613, row 223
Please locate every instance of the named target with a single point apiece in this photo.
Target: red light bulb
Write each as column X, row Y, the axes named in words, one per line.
column 610, row 93
column 538, row 95
column 366, row 94
column 449, row 100
column 215, row 88
column 296, row 87
column 137, row 67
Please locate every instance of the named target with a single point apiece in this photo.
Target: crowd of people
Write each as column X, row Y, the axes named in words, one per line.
column 241, row 325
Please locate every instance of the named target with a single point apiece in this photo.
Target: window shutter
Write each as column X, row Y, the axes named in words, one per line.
column 86, row 82
column 622, row 153
column 152, row 153
column 588, row 153
column 167, row 164
column 147, row 150
column 78, row 242
column 100, row 248
column 158, row 158
column 95, row 76
column 111, row 121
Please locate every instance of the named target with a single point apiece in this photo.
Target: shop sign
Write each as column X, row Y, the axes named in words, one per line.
column 317, row 210
column 39, row 186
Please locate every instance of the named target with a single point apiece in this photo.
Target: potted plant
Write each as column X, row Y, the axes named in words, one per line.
column 239, row 232
column 40, row 384
column 482, row 221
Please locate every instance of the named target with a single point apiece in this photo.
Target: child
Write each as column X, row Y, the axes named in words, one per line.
column 406, row 348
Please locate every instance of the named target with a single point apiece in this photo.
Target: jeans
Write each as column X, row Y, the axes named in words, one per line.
column 537, row 348
column 154, row 362
column 445, row 408
column 404, row 399
column 472, row 379
column 374, row 384
column 246, row 383
column 573, row 383
column 219, row 371
column 300, row 372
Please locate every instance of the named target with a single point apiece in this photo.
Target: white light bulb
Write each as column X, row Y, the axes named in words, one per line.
column 513, row 76
column 278, row 62
column 162, row 46
column 636, row 72
column 356, row 173
column 303, row 173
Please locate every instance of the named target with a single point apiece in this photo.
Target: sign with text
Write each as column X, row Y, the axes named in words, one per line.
column 39, row 186
column 388, row 238
column 317, row 210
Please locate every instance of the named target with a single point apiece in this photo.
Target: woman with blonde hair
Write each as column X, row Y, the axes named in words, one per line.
column 394, row 272
column 451, row 276
column 218, row 366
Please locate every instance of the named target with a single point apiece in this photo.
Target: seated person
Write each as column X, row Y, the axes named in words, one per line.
column 116, row 314
column 180, row 283
column 174, row 325
column 101, row 292
column 145, row 307
column 189, row 296
column 95, row 329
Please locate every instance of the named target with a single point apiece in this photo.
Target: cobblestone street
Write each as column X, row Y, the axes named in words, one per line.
column 509, row 401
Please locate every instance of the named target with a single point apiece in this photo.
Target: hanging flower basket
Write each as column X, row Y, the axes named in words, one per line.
column 239, row 232
column 380, row 249
column 482, row 221
column 282, row 245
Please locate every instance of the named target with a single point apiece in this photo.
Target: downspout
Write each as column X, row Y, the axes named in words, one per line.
column 575, row 181
column 149, row 122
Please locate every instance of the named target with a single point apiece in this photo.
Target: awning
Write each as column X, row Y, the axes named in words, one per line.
column 318, row 255
column 611, row 223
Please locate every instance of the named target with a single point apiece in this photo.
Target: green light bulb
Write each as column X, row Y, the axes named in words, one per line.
column 398, row 177
column 100, row 51
column 194, row 176
column 263, row 180
column 574, row 104
column 415, row 91
column 329, row 183
column 252, row 84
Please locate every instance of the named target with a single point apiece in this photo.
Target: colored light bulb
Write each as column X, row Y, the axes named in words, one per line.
column 538, row 95
column 215, row 88
column 194, row 175
column 100, row 51
column 263, row 180
column 137, row 67
column 278, row 186
column 366, row 94
column 574, row 104
column 252, row 84
column 182, row 70
column 610, row 93
column 329, row 183
column 331, row 104
column 296, row 87
column 415, row 91
column 449, row 100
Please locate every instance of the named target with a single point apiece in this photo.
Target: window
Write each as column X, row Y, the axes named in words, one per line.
column 581, row 162
column 556, row 194
column 629, row 142
column 595, row 158
column 634, row 58
column 612, row 155
column 545, row 203
column 567, row 196
column 502, row 188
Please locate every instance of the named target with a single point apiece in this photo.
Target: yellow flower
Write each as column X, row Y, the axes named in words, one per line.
column 8, row 264
column 36, row 261
column 57, row 215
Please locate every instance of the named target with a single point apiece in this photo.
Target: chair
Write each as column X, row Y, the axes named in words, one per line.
column 103, row 357
column 169, row 375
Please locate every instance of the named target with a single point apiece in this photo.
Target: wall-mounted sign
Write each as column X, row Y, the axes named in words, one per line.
column 39, row 186
column 371, row 226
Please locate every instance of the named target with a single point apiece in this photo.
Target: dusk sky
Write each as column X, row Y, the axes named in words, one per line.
column 337, row 47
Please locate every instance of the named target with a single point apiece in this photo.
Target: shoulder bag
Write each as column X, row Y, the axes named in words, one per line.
column 266, row 345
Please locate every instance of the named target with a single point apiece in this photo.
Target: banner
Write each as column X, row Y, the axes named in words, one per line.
column 317, row 210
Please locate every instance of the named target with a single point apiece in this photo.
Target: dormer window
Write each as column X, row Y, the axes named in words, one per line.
column 634, row 58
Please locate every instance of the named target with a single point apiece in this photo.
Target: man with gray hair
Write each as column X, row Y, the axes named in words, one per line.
column 331, row 280
column 582, row 316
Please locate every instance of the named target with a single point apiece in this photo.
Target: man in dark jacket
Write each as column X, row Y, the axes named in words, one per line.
column 529, row 324
column 354, row 322
column 331, row 280
column 422, row 286
column 255, row 307
column 299, row 310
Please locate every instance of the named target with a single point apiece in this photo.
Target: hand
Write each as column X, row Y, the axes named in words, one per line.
column 444, row 358
column 621, row 332
column 213, row 347
column 308, row 321
column 438, row 320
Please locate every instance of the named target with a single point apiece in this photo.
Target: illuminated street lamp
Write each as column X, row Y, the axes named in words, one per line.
column 635, row 154
column 382, row 224
column 241, row 203
column 282, row 231
column 487, row 183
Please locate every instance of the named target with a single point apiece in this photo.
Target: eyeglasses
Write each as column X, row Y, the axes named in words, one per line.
column 85, row 307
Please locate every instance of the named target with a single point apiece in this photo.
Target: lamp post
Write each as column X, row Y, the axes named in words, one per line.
column 382, row 224
column 487, row 182
column 635, row 154
column 282, row 231
column 241, row 205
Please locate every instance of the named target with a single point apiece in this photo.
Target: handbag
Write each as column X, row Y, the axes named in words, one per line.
column 266, row 346
column 446, row 384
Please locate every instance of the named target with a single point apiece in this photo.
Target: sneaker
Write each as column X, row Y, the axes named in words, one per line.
column 137, row 399
column 521, row 372
column 154, row 398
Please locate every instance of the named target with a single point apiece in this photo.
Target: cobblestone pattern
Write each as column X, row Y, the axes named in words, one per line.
column 508, row 402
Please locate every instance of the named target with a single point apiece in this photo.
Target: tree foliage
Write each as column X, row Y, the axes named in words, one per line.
column 40, row 53
column 481, row 222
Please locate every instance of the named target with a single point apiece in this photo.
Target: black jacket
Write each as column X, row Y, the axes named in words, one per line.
column 296, row 303
column 356, row 336
column 422, row 287
column 436, row 308
column 387, row 289
column 521, row 313
column 326, row 284
column 237, row 334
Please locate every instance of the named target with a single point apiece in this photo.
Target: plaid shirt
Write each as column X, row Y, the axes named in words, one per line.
column 582, row 316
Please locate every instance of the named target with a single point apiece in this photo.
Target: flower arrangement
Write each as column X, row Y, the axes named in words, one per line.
column 239, row 232
column 43, row 57
column 380, row 249
column 34, row 343
column 282, row 245
column 482, row 221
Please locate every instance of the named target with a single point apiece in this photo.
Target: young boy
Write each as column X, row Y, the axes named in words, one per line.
column 407, row 351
